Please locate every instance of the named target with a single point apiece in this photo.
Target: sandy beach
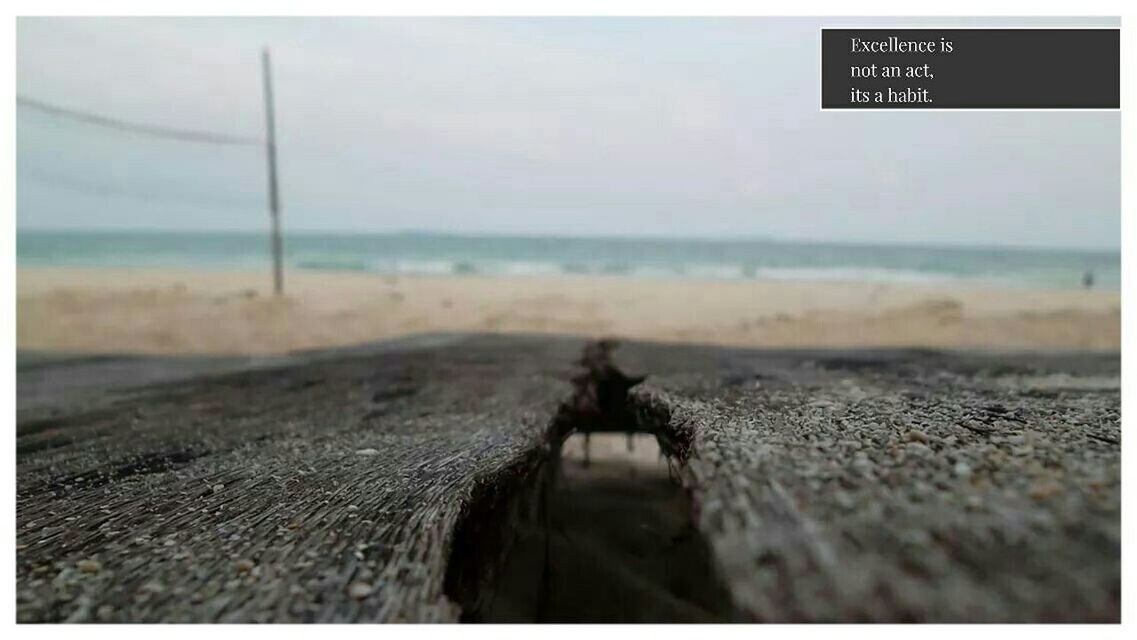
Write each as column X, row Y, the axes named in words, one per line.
column 205, row 311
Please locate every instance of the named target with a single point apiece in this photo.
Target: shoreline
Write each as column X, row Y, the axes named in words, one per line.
column 260, row 279
column 929, row 283
column 230, row 311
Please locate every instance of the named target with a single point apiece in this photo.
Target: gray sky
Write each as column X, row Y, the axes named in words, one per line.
column 581, row 126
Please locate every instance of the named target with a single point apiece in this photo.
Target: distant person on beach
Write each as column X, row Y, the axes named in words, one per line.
column 1088, row 279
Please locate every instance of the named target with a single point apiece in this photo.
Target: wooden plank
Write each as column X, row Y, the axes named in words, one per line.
column 274, row 494
column 855, row 486
column 897, row 485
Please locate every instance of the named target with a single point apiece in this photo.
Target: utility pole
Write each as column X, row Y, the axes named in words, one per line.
column 273, row 195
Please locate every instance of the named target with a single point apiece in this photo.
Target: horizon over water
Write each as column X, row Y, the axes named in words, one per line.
column 433, row 253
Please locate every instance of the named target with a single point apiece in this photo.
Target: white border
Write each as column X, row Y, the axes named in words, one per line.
column 900, row 9
column 986, row 9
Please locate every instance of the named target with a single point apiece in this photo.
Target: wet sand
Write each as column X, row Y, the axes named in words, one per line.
column 204, row 311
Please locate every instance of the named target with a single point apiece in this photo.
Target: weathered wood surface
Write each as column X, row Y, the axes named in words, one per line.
column 903, row 485
column 830, row 486
column 266, row 495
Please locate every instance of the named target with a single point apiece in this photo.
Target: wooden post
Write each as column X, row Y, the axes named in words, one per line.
column 273, row 195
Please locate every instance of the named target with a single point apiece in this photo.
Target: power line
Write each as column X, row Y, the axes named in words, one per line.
column 87, row 117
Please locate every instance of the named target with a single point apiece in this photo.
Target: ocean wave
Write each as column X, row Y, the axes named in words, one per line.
column 715, row 271
column 855, row 274
column 332, row 265
column 659, row 270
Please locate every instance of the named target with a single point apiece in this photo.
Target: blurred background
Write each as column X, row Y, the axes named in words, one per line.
column 669, row 179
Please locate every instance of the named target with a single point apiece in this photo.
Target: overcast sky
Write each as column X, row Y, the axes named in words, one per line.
column 581, row 126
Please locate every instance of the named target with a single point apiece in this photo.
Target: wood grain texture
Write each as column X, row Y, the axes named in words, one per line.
column 902, row 485
column 893, row 485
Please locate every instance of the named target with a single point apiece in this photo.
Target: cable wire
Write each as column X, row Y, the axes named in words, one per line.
column 185, row 135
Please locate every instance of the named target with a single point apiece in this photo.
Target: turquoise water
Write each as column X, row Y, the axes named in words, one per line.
column 424, row 253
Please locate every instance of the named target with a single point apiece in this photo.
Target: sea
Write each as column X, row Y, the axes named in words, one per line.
column 445, row 254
